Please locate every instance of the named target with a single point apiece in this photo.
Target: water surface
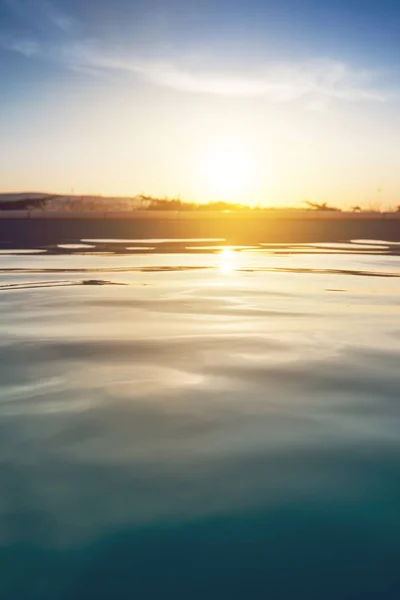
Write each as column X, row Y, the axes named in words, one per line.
column 184, row 420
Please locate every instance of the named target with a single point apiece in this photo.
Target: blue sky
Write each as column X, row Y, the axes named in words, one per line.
column 121, row 96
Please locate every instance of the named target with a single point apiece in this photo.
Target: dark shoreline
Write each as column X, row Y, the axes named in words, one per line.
column 41, row 228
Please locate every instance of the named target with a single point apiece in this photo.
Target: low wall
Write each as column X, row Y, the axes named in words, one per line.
column 277, row 215
column 27, row 228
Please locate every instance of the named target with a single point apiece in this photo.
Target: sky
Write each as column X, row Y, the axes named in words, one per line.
column 257, row 101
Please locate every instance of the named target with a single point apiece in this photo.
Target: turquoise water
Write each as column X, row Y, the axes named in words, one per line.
column 180, row 420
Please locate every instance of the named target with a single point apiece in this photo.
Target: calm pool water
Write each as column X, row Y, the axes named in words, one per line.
column 184, row 421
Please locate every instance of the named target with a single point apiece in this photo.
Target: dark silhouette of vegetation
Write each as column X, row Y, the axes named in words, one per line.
column 178, row 204
column 28, row 203
column 320, row 206
column 15, row 202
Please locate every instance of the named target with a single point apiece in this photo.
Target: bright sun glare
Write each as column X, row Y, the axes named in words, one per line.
column 227, row 172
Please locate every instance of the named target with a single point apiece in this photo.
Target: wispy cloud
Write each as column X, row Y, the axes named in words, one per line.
column 26, row 46
column 315, row 83
column 314, row 80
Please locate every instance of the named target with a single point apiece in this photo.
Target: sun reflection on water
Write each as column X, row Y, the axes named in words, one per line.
column 227, row 263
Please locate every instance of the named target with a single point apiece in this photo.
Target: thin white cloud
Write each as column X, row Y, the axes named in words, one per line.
column 315, row 81
column 27, row 47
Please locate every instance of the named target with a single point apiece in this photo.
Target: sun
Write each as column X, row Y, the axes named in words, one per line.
column 227, row 172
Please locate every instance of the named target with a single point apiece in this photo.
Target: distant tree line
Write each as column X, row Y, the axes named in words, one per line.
column 144, row 202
